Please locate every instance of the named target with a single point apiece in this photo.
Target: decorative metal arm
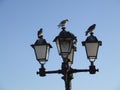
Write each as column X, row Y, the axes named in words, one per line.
column 42, row 71
column 67, row 72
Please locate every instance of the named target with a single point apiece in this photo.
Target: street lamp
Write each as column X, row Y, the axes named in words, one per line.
column 91, row 45
column 41, row 48
column 66, row 43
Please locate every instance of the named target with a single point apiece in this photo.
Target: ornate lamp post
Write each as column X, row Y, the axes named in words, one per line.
column 66, row 45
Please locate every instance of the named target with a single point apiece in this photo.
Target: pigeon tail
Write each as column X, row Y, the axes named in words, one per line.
column 86, row 33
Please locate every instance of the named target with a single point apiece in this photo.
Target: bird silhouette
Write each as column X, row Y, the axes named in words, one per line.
column 63, row 23
column 40, row 33
column 90, row 29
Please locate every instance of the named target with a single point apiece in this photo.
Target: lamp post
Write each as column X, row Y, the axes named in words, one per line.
column 66, row 45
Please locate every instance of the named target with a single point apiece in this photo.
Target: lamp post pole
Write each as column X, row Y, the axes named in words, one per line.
column 66, row 45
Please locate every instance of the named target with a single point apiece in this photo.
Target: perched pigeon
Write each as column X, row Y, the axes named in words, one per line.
column 40, row 33
column 75, row 43
column 90, row 29
column 63, row 23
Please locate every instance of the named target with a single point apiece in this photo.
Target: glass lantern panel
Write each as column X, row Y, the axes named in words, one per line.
column 58, row 45
column 40, row 52
column 47, row 52
column 65, row 47
column 91, row 50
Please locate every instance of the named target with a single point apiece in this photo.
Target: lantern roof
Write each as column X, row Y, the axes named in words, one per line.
column 42, row 41
column 65, row 34
column 92, row 39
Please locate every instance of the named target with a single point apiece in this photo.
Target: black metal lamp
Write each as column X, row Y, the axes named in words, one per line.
column 91, row 45
column 64, row 42
column 41, row 48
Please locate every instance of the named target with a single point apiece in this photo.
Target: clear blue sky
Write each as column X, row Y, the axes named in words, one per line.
column 21, row 19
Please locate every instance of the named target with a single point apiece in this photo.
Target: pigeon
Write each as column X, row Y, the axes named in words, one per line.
column 40, row 33
column 75, row 43
column 63, row 23
column 90, row 29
